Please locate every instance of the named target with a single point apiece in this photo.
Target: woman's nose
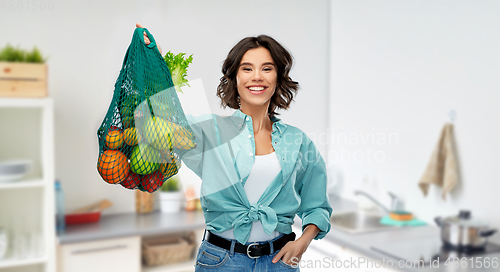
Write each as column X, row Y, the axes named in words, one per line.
column 257, row 76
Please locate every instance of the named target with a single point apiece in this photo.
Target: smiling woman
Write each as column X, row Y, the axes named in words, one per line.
column 257, row 172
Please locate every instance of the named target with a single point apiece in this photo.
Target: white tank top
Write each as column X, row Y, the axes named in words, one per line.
column 264, row 170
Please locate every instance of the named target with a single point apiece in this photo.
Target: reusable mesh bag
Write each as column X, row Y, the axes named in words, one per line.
column 145, row 132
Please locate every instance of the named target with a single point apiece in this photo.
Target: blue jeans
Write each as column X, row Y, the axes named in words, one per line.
column 214, row 258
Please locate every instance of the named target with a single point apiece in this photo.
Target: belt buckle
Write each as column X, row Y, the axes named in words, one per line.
column 248, row 250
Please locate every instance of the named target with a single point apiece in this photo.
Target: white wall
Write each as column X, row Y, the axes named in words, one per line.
column 87, row 40
column 399, row 67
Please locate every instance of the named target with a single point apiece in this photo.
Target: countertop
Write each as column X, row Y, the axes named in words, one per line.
column 363, row 243
column 132, row 224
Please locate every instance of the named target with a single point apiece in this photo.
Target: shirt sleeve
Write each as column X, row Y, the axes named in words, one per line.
column 315, row 207
column 205, row 137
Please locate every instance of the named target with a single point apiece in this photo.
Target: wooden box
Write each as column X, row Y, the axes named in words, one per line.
column 23, row 79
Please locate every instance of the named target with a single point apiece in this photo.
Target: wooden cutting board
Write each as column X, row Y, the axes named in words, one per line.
column 95, row 207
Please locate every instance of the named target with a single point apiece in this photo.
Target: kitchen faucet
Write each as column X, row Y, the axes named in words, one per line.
column 396, row 202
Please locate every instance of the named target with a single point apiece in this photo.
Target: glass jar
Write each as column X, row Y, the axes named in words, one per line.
column 144, row 202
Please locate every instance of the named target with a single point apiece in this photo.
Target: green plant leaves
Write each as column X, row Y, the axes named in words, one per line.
column 13, row 54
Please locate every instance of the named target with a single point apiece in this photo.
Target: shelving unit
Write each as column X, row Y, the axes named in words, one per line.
column 27, row 205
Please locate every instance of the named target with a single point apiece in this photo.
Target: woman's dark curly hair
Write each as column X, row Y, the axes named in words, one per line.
column 285, row 86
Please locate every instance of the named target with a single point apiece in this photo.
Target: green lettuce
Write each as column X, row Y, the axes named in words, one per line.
column 178, row 64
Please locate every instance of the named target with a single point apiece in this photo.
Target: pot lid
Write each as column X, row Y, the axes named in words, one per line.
column 464, row 219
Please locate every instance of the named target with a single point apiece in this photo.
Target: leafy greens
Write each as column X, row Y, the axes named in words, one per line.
column 178, row 64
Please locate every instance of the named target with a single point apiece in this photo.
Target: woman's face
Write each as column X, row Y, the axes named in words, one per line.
column 256, row 78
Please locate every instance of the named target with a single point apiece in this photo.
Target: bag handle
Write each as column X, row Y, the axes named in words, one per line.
column 140, row 34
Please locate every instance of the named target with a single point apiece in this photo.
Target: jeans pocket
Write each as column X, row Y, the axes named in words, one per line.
column 210, row 256
column 291, row 266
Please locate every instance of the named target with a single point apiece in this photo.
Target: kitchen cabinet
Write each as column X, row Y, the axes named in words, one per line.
column 120, row 254
column 114, row 244
column 27, row 206
column 187, row 266
column 323, row 255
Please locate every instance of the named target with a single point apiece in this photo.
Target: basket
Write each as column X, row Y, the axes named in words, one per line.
column 167, row 249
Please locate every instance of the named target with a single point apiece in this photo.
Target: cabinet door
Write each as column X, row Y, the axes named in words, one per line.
column 366, row 264
column 323, row 255
column 121, row 254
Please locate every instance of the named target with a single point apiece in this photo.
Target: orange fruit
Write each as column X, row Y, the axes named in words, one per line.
column 114, row 139
column 113, row 166
column 130, row 136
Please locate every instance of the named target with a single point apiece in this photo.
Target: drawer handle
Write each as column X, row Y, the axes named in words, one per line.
column 83, row 251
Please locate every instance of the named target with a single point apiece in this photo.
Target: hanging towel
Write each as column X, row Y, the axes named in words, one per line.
column 442, row 168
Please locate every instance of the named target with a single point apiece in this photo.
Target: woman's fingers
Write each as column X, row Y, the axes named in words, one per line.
column 146, row 38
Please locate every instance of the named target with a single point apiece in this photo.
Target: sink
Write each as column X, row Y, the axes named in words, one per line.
column 359, row 221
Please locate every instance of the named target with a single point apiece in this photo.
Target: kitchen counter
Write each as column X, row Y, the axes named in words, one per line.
column 363, row 243
column 132, row 224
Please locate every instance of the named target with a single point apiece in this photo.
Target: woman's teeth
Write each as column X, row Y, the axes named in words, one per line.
column 256, row 88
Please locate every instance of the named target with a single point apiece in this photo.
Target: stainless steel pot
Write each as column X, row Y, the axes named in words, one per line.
column 464, row 233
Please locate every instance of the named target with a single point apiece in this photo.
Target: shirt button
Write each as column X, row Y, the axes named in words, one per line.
column 275, row 142
column 249, row 136
column 247, row 118
column 251, row 154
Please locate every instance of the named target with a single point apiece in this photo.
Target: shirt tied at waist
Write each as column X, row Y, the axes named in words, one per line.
column 243, row 222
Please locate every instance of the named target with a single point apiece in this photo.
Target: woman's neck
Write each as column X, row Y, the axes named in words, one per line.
column 260, row 117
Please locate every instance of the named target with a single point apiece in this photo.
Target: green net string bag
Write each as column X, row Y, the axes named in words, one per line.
column 145, row 132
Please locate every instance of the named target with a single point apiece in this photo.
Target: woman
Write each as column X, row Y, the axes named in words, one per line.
column 257, row 172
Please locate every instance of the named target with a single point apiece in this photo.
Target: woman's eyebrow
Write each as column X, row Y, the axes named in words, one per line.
column 250, row 64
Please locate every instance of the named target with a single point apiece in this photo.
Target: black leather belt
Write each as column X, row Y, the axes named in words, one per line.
column 254, row 250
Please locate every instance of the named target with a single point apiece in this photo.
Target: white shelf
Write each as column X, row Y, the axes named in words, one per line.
column 32, row 210
column 25, row 102
column 22, row 262
column 22, row 184
column 175, row 267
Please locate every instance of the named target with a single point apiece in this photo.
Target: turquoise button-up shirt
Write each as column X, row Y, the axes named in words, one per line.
column 223, row 159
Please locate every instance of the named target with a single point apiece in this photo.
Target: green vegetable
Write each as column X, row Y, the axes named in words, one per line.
column 178, row 64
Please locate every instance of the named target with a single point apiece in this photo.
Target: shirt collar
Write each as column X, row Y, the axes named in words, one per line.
column 240, row 118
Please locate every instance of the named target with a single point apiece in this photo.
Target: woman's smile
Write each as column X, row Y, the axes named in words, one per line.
column 256, row 78
column 257, row 89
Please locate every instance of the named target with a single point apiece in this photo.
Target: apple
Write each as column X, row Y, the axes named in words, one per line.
column 152, row 182
column 131, row 181
column 158, row 133
column 144, row 159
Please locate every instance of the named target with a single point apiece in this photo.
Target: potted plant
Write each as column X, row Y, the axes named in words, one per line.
column 22, row 73
column 171, row 196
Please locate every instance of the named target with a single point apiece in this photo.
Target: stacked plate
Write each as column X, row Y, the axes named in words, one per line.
column 14, row 170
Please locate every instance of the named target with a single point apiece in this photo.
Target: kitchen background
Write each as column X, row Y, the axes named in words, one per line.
column 86, row 42
column 385, row 74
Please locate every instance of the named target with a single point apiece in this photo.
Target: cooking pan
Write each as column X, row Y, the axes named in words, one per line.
column 462, row 232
